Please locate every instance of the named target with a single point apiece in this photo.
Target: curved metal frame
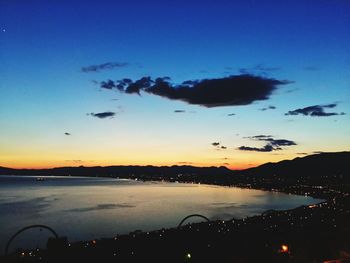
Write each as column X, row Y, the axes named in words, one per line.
column 25, row 228
column 194, row 215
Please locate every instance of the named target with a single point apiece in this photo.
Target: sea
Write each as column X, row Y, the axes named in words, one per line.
column 86, row 208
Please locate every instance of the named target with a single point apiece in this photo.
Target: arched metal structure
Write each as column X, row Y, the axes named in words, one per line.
column 26, row 228
column 194, row 215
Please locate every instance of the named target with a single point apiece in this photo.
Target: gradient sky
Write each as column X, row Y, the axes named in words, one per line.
column 44, row 93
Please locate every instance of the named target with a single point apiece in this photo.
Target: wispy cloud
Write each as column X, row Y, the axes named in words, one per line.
column 311, row 68
column 268, row 108
column 315, row 111
column 104, row 66
column 259, row 68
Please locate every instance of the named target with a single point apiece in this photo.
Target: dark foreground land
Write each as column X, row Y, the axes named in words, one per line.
column 316, row 233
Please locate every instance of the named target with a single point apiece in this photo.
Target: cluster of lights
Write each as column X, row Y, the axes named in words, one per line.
column 270, row 219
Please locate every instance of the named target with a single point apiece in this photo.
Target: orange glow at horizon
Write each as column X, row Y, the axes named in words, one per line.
column 41, row 163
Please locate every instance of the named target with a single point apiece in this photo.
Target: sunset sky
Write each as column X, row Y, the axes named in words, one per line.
column 239, row 83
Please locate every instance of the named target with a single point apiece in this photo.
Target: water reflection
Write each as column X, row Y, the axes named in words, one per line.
column 87, row 208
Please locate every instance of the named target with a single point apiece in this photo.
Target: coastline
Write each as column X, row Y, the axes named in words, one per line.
column 274, row 228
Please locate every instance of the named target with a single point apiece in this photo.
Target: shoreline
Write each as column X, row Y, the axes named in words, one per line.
column 334, row 208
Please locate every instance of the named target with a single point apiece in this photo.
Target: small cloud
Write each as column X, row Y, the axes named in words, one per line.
column 104, row 66
column 315, row 111
column 218, row 146
column 74, row 161
column 302, row 153
column 102, row 115
column 311, row 68
column 266, row 148
column 184, row 162
column 109, row 84
column 67, row 133
column 262, row 67
column 292, row 90
column 259, row 68
column 268, row 108
column 179, row 111
column 259, row 137
column 271, row 144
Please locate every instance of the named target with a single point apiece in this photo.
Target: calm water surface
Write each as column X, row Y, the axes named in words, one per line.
column 84, row 208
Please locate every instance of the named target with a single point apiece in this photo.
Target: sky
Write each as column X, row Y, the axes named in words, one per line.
column 204, row 83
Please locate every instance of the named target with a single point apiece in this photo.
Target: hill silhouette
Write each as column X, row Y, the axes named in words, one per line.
column 322, row 167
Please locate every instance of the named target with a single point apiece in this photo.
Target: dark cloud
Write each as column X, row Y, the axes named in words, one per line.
column 218, row 146
column 103, row 115
column 67, row 133
column 109, row 84
column 259, row 137
column 302, row 153
column 228, row 91
column 282, row 142
column 104, row 66
column 271, row 144
column 268, row 108
column 179, row 111
column 231, row 114
column 266, row 148
column 315, row 111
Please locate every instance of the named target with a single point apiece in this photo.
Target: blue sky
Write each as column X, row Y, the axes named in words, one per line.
column 44, row 93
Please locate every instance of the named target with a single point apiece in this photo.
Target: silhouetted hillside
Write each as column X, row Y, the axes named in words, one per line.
column 133, row 171
column 323, row 166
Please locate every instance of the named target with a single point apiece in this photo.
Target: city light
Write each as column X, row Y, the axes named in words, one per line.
column 284, row 249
